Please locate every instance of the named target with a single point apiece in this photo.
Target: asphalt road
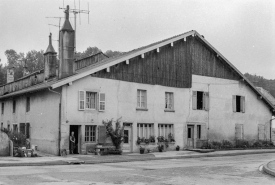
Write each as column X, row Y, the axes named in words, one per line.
column 238, row 170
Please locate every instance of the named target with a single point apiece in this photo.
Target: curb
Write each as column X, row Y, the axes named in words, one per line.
column 62, row 162
column 267, row 170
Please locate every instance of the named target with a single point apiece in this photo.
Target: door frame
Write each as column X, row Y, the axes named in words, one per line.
column 131, row 132
column 194, row 124
column 79, row 134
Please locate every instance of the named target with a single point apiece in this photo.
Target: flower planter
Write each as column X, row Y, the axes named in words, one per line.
column 141, row 151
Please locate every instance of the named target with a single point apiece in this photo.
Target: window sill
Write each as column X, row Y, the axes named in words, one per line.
column 141, row 109
column 169, row 110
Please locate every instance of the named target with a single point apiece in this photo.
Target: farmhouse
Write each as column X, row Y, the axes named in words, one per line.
column 181, row 87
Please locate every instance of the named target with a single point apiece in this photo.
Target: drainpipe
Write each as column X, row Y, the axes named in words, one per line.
column 271, row 129
column 59, row 121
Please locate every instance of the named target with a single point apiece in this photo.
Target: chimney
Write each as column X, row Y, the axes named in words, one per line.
column 10, row 74
column 66, row 48
column 49, row 61
column 25, row 68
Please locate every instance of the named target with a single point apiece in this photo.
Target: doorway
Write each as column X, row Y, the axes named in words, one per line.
column 77, row 134
column 127, row 143
column 190, row 136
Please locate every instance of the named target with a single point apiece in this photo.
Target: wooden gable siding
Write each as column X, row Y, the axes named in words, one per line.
column 170, row 67
column 207, row 63
column 87, row 61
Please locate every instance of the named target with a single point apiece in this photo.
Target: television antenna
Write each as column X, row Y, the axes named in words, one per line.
column 76, row 11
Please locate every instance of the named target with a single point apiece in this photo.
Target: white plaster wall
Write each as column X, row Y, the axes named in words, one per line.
column 43, row 118
column 221, row 119
column 121, row 100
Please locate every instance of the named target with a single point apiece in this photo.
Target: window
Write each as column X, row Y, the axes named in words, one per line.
column 239, row 133
column 141, row 99
column 238, row 103
column 13, row 106
column 90, row 133
column 145, row 130
column 91, row 101
column 169, row 101
column 2, row 108
column 25, row 129
column 15, row 128
column 9, row 127
column 198, row 131
column 2, row 126
column 28, row 104
column 165, row 129
column 200, row 100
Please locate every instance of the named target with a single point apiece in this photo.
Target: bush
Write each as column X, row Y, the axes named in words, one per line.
column 226, row 144
column 216, row 145
column 242, row 144
column 117, row 134
column 207, row 145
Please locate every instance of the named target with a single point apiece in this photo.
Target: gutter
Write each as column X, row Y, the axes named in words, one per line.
column 59, row 121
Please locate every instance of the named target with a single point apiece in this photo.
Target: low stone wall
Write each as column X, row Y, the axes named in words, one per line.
column 5, row 144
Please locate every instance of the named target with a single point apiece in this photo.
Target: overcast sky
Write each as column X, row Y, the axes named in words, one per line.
column 243, row 31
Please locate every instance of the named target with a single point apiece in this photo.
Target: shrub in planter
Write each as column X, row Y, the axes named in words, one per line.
column 18, row 139
column 160, row 139
column 141, row 150
column 152, row 139
column 257, row 144
column 171, row 138
column 267, row 143
column 166, row 143
column 146, row 141
column 178, row 148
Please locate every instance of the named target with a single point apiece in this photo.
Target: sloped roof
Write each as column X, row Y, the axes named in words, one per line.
column 131, row 54
column 30, row 89
column 267, row 95
column 67, row 26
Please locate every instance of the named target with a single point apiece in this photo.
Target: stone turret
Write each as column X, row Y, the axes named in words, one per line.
column 66, row 48
column 49, row 61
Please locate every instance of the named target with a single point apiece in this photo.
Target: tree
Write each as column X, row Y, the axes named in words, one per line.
column 112, row 54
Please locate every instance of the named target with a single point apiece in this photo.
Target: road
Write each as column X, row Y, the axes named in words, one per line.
column 238, row 170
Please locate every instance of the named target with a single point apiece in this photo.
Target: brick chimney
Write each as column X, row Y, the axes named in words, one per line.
column 10, row 74
column 49, row 61
column 66, row 48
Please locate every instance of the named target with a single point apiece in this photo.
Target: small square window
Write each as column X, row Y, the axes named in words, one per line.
column 90, row 133
column 91, row 99
column 13, row 106
column 141, row 99
column 28, row 104
column 169, row 101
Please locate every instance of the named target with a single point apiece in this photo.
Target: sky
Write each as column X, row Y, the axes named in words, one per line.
column 243, row 31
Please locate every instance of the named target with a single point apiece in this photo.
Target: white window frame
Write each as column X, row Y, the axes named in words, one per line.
column 145, row 130
column 169, row 101
column 205, row 100
column 94, row 107
column 165, row 129
column 141, row 98
column 100, row 100
column 89, row 138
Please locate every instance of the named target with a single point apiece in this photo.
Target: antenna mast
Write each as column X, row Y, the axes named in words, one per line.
column 76, row 11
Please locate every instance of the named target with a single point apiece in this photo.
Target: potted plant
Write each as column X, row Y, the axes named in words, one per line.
column 178, row 148
column 147, row 141
column 152, row 139
column 138, row 140
column 160, row 139
column 141, row 150
column 171, row 138
column 160, row 147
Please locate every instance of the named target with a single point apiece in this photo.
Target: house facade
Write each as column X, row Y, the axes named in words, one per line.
column 180, row 87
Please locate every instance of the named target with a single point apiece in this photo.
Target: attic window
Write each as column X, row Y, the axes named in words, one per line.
column 238, row 103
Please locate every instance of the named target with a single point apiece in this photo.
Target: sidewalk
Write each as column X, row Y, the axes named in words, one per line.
column 127, row 157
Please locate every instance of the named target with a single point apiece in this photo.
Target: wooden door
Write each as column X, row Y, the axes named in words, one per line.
column 127, row 143
column 190, row 136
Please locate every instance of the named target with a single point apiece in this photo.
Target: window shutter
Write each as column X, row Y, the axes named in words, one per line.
column 243, row 104
column 206, row 100
column 28, row 130
column 234, row 103
column 203, row 132
column 261, row 131
column 194, row 100
column 102, row 101
column 145, row 99
column 81, row 98
column 101, row 134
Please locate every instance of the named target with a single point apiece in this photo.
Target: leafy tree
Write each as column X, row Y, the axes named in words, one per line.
column 112, row 54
